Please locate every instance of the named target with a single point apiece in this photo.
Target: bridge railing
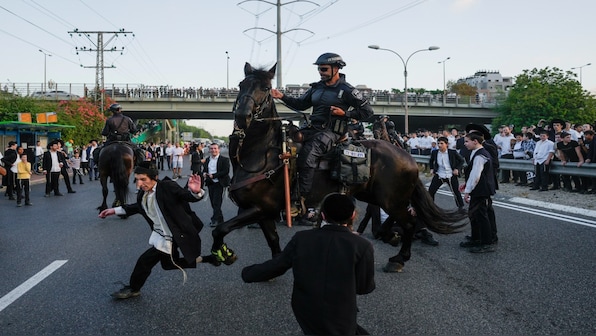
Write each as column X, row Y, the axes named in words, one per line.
column 142, row 92
column 587, row 169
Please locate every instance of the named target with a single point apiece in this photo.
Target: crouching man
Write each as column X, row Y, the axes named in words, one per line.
column 331, row 265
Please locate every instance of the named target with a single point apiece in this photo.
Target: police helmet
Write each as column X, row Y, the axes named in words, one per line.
column 390, row 124
column 115, row 108
column 330, row 59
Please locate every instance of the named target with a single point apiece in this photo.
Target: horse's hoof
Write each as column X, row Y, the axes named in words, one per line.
column 393, row 267
column 224, row 255
column 211, row 259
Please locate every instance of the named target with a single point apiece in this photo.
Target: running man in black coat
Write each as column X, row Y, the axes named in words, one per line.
column 331, row 265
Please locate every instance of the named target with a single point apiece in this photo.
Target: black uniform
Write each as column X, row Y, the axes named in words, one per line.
column 325, row 129
column 118, row 128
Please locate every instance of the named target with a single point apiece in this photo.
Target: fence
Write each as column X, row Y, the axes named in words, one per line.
column 587, row 169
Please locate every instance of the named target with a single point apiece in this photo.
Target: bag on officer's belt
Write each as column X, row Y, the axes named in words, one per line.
column 353, row 166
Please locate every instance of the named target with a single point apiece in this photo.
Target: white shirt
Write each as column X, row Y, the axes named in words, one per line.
column 55, row 163
column 213, row 166
column 426, row 142
column 169, row 150
column 178, row 154
column 476, row 173
column 504, row 142
column 413, row 143
column 444, row 170
column 451, row 142
column 38, row 150
column 84, row 155
column 542, row 150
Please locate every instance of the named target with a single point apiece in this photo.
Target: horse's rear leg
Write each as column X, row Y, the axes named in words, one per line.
column 270, row 231
column 104, row 192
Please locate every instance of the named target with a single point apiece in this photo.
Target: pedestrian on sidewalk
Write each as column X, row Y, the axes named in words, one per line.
column 23, row 180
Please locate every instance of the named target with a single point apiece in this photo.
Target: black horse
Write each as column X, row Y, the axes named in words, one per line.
column 116, row 161
column 258, row 188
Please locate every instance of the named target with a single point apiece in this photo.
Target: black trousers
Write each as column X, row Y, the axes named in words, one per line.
column 480, row 222
column 52, row 182
column 372, row 212
column 64, row 173
column 453, row 183
column 23, row 187
column 11, row 182
column 216, row 198
column 542, row 174
column 149, row 259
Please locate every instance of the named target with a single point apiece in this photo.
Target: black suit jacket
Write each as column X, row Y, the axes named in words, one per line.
column 173, row 202
column 223, row 171
column 456, row 161
column 330, row 266
column 47, row 160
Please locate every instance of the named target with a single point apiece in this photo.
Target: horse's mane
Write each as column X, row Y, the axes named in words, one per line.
column 261, row 74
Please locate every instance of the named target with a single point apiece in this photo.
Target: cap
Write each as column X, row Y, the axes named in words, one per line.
column 337, row 208
column 147, row 168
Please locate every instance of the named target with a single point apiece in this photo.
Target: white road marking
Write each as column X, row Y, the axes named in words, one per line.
column 23, row 288
column 531, row 209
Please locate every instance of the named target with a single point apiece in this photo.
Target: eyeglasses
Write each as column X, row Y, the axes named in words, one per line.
column 323, row 69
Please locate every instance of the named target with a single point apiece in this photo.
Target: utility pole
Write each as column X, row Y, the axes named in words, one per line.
column 100, row 47
column 278, row 33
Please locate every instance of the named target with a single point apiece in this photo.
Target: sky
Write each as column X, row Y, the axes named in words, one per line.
column 183, row 43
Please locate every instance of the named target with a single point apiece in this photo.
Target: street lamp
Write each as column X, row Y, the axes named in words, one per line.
column 405, row 63
column 444, row 90
column 227, row 71
column 580, row 71
column 45, row 56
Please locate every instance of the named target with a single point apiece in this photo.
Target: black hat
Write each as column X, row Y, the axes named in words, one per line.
column 147, row 168
column 337, row 208
column 558, row 121
column 478, row 128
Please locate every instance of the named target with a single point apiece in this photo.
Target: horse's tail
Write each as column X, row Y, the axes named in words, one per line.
column 119, row 175
column 435, row 218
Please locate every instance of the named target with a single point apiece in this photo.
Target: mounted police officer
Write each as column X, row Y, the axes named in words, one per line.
column 121, row 128
column 334, row 102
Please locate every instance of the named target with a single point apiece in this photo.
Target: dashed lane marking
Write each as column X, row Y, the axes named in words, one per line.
column 16, row 293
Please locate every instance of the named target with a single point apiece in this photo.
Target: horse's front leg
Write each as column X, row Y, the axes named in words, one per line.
column 406, row 222
column 219, row 250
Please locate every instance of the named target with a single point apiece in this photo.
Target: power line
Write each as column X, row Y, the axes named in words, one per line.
column 36, row 46
column 100, row 48
column 33, row 24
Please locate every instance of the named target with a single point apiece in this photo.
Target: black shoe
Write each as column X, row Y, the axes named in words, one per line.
column 73, row 182
column 46, row 195
column 534, row 188
column 11, row 199
column 482, row 249
column 72, row 191
column 469, row 243
column 428, row 239
column 19, row 205
column 81, row 182
column 58, row 194
column 555, row 188
column 28, row 203
column 125, row 293
column 503, row 181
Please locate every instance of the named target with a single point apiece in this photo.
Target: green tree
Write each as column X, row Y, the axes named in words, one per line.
column 545, row 94
column 463, row 89
column 85, row 116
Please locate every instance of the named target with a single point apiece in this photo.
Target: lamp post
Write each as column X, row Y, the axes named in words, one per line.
column 405, row 63
column 444, row 90
column 580, row 71
column 45, row 56
column 227, row 71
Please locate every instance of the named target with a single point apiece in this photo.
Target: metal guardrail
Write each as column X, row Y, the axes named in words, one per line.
column 587, row 169
column 135, row 92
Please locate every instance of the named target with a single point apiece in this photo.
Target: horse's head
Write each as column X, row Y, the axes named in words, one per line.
column 254, row 98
